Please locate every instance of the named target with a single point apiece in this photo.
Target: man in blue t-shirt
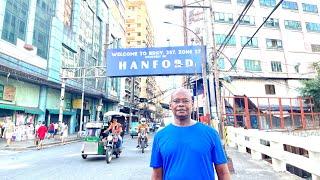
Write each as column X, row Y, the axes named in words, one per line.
column 187, row 149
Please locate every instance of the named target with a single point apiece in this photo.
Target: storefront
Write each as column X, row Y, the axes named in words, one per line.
column 24, row 119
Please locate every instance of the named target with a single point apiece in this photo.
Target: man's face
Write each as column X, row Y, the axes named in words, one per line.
column 181, row 105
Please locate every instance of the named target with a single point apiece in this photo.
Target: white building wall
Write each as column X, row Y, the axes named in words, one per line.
column 296, row 48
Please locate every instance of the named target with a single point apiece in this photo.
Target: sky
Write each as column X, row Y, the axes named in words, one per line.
column 164, row 32
column 158, row 14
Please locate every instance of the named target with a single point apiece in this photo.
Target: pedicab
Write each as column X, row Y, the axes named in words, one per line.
column 93, row 144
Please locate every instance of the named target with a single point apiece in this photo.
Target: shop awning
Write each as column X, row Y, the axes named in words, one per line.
column 32, row 110
column 11, row 107
column 56, row 111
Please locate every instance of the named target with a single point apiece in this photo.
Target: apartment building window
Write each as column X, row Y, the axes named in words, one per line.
column 271, row 22
column 221, row 64
column 315, row 47
column 313, row 27
column 290, row 5
column 139, row 25
column 42, row 27
column 247, row 20
column 242, row 2
column 252, row 65
column 268, row 3
column 274, row 44
column 139, row 42
column 139, row 33
column 1, row 91
column 309, row 8
column 270, row 89
column 276, row 66
column 293, row 25
column 15, row 21
column 252, row 43
column 233, row 64
column 219, row 38
column 223, row 17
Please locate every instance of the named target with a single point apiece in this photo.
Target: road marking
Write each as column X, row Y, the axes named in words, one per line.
column 13, row 166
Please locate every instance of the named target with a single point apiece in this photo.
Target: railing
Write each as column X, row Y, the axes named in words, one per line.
column 298, row 154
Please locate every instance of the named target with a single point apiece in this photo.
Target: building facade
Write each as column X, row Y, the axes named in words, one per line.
column 40, row 40
column 275, row 60
column 139, row 34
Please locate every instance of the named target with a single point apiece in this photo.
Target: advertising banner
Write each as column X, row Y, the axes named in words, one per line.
column 179, row 60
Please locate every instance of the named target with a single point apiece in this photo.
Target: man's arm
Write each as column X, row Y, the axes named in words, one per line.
column 223, row 171
column 156, row 174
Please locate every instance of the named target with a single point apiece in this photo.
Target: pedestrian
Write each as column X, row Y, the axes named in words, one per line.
column 187, row 149
column 56, row 127
column 8, row 132
column 51, row 130
column 41, row 134
column 64, row 131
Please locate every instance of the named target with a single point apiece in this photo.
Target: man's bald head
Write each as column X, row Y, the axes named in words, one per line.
column 184, row 91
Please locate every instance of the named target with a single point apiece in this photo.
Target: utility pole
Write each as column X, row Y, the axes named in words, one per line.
column 62, row 94
column 131, row 101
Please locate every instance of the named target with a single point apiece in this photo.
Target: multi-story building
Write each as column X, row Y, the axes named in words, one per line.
column 139, row 34
column 277, row 58
column 39, row 40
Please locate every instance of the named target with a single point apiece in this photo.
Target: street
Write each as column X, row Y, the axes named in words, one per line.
column 65, row 162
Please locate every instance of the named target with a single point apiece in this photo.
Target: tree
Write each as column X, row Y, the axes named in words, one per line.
column 311, row 87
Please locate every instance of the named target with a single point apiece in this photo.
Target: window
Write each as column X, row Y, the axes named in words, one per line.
column 42, row 27
column 223, row 17
column 276, row 66
column 221, row 63
column 290, row 5
column 242, row 1
column 15, row 21
column 252, row 43
column 219, row 38
column 268, row 3
column 293, row 25
column 247, row 20
column 270, row 89
column 315, row 47
column 313, row 27
column 310, row 8
column 233, row 63
column 274, row 44
column 139, row 33
column 271, row 22
column 139, row 25
column 1, row 91
column 252, row 65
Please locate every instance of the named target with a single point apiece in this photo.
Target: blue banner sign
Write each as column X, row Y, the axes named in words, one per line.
column 179, row 60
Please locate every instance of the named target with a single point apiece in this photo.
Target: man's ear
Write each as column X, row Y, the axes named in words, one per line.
column 170, row 106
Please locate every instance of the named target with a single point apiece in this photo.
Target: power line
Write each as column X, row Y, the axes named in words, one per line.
column 255, row 33
column 234, row 27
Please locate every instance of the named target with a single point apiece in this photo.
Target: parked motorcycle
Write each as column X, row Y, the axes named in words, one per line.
column 111, row 147
column 143, row 139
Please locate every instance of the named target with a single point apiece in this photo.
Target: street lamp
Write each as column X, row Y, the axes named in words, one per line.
column 203, row 67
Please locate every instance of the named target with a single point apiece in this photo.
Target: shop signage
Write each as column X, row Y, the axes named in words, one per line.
column 76, row 104
column 179, row 60
column 9, row 93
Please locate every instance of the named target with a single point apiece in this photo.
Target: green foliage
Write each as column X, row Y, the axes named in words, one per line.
column 312, row 87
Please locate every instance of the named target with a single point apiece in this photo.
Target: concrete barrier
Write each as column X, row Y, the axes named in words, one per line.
column 265, row 143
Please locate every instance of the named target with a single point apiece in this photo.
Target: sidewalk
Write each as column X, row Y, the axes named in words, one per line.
column 29, row 144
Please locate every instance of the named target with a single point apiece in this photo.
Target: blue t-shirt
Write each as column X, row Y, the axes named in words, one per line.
column 187, row 152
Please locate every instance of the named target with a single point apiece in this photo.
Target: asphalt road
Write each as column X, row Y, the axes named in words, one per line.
column 64, row 162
